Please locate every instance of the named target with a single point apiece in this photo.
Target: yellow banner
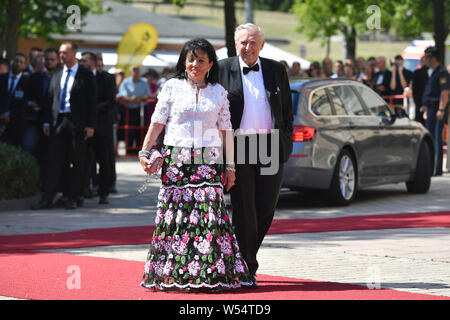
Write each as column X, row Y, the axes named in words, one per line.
column 139, row 41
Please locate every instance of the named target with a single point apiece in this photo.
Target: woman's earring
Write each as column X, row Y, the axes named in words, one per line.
column 207, row 74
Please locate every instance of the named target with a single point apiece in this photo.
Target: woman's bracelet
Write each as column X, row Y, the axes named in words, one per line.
column 145, row 153
column 231, row 167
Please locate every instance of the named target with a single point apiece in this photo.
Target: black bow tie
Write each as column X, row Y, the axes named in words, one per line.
column 254, row 68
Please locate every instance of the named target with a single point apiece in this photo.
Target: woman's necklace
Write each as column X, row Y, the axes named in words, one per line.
column 197, row 85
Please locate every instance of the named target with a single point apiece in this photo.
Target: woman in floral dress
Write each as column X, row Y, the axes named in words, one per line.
column 193, row 245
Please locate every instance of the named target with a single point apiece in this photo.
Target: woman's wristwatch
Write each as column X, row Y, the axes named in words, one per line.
column 145, row 153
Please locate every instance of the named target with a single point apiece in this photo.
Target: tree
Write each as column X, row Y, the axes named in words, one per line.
column 230, row 26
column 412, row 17
column 37, row 18
column 325, row 18
column 230, row 23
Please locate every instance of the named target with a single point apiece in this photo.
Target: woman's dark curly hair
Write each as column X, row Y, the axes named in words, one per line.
column 205, row 46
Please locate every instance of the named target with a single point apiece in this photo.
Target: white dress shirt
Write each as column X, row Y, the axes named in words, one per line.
column 16, row 81
column 257, row 116
column 73, row 73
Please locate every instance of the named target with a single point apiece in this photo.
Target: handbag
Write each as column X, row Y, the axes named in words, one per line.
column 156, row 162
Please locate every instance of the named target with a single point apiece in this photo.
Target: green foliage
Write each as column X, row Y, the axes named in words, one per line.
column 273, row 5
column 330, row 17
column 413, row 17
column 179, row 3
column 19, row 173
column 40, row 18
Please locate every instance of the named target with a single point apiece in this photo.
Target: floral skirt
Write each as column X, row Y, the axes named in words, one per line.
column 193, row 245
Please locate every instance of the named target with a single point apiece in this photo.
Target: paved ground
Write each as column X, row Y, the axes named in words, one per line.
column 413, row 260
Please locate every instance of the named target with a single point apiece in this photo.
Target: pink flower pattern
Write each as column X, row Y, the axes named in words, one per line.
column 193, row 243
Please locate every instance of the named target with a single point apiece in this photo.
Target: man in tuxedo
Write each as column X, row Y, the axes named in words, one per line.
column 100, row 145
column 69, row 116
column 261, row 116
column 14, row 91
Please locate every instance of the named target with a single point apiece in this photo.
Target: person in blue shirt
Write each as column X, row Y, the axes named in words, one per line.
column 435, row 102
column 133, row 92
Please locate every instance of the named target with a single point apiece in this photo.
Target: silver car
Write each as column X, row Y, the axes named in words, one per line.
column 346, row 138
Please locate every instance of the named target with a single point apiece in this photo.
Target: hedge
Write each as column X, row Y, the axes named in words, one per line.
column 19, row 173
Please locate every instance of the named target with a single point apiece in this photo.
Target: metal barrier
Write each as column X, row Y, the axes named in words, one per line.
column 126, row 127
column 396, row 96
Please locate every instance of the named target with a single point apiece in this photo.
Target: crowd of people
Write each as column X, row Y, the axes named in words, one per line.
column 373, row 72
column 73, row 136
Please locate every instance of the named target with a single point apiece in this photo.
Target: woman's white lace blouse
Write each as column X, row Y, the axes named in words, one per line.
column 190, row 123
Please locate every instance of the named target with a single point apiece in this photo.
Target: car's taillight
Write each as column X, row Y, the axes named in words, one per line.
column 303, row 133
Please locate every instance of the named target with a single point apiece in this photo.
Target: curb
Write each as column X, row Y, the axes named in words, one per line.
column 17, row 204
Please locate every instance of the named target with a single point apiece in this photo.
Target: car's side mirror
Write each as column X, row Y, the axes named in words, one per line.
column 400, row 112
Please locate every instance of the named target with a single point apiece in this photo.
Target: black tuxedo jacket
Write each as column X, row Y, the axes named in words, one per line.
column 83, row 99
column 15, row 104
column 278, row 92
column 38, row 94
column 18, row 99
column 106, row 93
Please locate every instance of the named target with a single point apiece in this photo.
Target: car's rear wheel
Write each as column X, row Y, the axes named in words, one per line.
column 422, row 176
column 344, row 183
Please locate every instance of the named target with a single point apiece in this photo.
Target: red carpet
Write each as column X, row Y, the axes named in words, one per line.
column 143, row 234
column 47, row 276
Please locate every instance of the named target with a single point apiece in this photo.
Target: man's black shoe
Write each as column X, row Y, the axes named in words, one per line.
column 71, row 205
column 61, row 202
column 42, row 204
column 103, row 200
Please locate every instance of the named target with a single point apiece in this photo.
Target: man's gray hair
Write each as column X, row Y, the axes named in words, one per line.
column 248, row 26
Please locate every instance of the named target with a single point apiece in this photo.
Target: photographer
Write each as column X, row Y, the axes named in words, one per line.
column 401, row 78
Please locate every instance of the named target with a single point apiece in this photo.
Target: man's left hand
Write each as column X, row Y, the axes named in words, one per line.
column 88, row 133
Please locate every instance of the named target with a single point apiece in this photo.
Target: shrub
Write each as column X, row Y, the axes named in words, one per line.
column 19, row 173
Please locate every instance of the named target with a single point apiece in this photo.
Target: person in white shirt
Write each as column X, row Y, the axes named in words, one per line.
column 69, row 120
column 194, row 246
column 261, row 113
column 14, row 88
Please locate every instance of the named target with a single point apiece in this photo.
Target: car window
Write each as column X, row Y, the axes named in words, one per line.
column 376, row 105
column 337, row 103
column 350, row 100
column 320, row 104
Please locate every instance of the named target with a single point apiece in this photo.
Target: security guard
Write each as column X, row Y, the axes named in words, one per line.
column 435, row 102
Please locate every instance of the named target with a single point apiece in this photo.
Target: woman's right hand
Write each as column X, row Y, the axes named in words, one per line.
column 145, row 163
